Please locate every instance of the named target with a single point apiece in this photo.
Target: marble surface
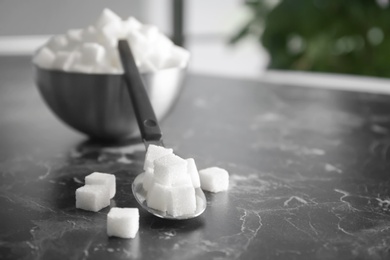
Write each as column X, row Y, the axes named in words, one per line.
column 309, row 175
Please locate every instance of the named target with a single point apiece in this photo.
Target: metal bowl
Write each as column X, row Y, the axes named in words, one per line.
column 99, row 104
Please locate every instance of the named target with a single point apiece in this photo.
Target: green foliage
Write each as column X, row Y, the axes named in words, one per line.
column 340, row 36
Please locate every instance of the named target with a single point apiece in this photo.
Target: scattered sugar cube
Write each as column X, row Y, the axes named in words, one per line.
column 92, row 197
column 181, row 200
column 102, row 179
column 154, row 152
column 157, row 197
column 170, row 170
column 193, row 172
column 106, row 17
column 123, row 222
column 148, row 180
column 44, row 58
column 214, row 179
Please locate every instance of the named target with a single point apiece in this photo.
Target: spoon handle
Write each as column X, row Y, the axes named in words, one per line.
column 146, row 118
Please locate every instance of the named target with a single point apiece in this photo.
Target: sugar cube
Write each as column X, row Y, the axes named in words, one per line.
column 154, row 152
column 91, row 54
column 170, row 170
column 181, row 200
column 106, row 17
column 90, row 34
column 131, row 24
column 81, row 68
column 44, row 58
column 140, row 46
column 147, row 66
column 214, row 179
column 148, row 180
column 58, row 42
column 149, row 31
column 63, row 60
column 105, row 179
column 74, row 35
column 92, row 197
column 193, row 172
column 179, row 58
column 113, row 31
column 157, row 196
column 123, row 222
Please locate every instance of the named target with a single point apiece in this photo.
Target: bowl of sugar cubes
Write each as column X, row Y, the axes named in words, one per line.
column 80, row 76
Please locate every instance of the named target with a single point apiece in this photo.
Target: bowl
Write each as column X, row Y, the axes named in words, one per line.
column 99, row 105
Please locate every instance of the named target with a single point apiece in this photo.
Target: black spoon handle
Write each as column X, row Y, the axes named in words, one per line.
column 146, row 118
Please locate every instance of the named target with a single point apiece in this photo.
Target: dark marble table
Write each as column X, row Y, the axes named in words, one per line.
column 309, row 175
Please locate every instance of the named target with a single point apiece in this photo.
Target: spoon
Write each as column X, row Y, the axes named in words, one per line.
column 149, row 128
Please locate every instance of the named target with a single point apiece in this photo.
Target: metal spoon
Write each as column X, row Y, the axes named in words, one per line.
column 149, row 128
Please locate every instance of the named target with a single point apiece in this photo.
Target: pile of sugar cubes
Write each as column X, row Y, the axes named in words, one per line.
column 94, row 49
column 170, row 181
column 95, row 195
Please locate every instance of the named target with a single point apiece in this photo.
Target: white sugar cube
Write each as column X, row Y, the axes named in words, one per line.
column 44, row 58
column 147, row 66
column 123, row 222
column 92, row 197
column 90, row 34
column 105, row 179
column 150, row 32
column 58, row 42
column 163, row 43
column 160, row 51
column 156, row 60
column 154, row 152
column 81, row 68
column 148, row 180
column 181, row 200
column 75, row 38
column 157, row 197
column 105, row 68
column 178, row 58
column 170, row 170
column 63, row 60
column 113, row 31
column 131, row 24
column 91, row 54
column 193, row 172
column 214, row 179
column 75, row 35
column 139, row 45
column 106, row 17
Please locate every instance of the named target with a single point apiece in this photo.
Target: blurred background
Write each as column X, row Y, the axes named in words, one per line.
column 229, row 37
